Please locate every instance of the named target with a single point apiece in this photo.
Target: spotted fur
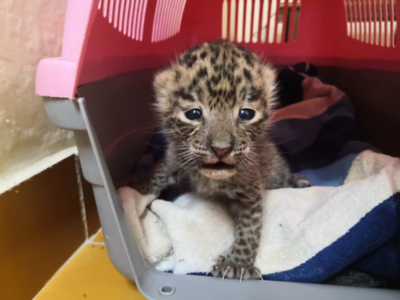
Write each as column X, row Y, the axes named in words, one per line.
column 220, row 79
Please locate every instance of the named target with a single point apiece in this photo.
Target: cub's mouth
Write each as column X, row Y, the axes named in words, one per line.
column 218, row 166
column 219, row 170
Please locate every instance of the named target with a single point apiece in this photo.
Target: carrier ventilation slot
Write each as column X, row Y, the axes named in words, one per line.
column 127, row 16
column 372, row 21
column 260, row 21
column 167, row 19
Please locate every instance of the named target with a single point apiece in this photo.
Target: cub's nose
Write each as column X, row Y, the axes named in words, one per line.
column 221, row 152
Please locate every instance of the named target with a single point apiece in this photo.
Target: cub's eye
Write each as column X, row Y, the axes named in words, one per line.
column 246, row 114
column 193, row 114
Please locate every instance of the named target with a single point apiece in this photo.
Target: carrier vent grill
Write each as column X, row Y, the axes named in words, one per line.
column 272, row 21
column 167, row 19
column 127, row 16
column 372, row 21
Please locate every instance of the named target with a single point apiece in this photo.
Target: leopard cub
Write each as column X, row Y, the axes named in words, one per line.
column 214, row 103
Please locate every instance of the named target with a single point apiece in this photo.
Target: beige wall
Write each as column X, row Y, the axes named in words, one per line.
column 29, row 30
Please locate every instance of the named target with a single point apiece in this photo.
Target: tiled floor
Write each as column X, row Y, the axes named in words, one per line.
column 89, row 274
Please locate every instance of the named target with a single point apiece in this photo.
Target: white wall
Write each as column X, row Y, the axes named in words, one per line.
column 29, row 30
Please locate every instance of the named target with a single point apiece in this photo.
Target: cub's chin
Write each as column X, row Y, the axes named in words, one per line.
column 218, row 170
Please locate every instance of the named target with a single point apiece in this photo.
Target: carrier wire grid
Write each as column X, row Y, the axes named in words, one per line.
column 111, row 49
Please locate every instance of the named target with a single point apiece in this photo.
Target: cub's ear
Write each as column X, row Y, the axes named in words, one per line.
column 163, row 87
column 269, row 77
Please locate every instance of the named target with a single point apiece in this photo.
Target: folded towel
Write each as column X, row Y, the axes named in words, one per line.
column 308, row 234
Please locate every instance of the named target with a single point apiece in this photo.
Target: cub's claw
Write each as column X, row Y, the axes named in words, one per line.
column 231, row 270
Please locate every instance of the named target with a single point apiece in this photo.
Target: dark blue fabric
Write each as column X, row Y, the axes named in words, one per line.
column 289, row 82
column 319, row 141
column 331, row 175
column 385, row 261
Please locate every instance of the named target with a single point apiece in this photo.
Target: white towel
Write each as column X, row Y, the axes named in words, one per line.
column 300, row 227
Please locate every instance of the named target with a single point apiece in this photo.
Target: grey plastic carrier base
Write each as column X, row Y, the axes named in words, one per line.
column 101, row 118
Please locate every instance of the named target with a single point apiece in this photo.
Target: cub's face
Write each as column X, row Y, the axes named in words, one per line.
column 214, row 104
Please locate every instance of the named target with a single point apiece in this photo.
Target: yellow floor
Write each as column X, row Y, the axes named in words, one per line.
column 89, row 275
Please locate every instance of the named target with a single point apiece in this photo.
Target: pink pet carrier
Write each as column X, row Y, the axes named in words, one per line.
column 101, row 87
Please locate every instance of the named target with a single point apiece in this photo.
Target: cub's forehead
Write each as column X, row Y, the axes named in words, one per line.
column 219, row 74
column 218, row 58
column 217, row 53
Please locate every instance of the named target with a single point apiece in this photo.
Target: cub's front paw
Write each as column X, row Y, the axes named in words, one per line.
column 299, row 181
column 226, row 268
column 134, row 201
